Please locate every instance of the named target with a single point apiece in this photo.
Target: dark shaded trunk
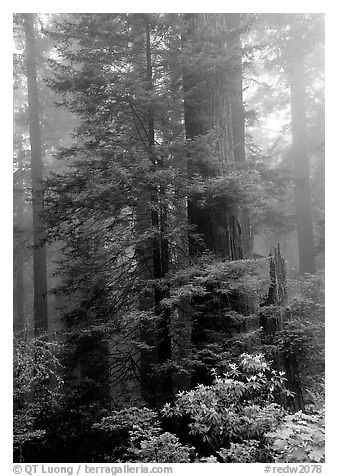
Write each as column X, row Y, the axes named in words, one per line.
column 146, row 301
column 221, row 226
column 181, row 347
column 207, row 107
column 274, row 322
column 39, row 252
column 234, row 23
column 157, row 389
column 164, row 337
column 301, row 164
column 292, row 373
column 277, row 289
column 271, row 320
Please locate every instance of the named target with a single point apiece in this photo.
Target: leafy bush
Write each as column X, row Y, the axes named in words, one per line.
column 301, row 341
column 37, row 384
column 299, row 438
column 236, row 408
column 165, row 448
column 245, row 452
column 143, row 438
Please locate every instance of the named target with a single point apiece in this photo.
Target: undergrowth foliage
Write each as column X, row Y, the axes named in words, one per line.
column 235, row 419
column 37, row 385
column 237, row 414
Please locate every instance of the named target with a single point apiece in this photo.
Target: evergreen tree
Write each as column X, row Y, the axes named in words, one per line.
column 39, row 253
column 288, row 41
column 132, row 196
column 299, row 152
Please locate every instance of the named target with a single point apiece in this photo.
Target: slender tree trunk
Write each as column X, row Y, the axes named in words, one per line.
column 233, row 21
column 156, row 389
column 145, row 262
column 181, row 324
column 301, row 164
column 19, row 250
column 39, row 254
column 145, row 270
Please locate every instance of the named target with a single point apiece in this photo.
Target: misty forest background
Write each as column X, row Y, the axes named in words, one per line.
column 168, row 237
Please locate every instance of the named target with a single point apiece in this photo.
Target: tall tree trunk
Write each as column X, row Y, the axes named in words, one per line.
column 19, row 248
column 222, row 227
column 234, row 23
column 207, row 106
column 146, row 302
column 39, row 253
column 158, row 389
column 301, row 163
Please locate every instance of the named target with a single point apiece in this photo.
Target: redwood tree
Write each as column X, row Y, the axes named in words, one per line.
column 214, row 120
column 39, row 255
column 211, row 91
column 300, row 156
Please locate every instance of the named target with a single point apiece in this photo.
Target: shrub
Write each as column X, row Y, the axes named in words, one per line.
column 300, row 438
column 236, row 408
column 165, row 448
column 143, row 438
column 35, row 366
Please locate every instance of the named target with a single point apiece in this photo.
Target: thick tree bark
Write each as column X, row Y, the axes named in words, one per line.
column 237, row 110
column 207, row 106
column 301, row 164
column 209, row 84
column 39, row 256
